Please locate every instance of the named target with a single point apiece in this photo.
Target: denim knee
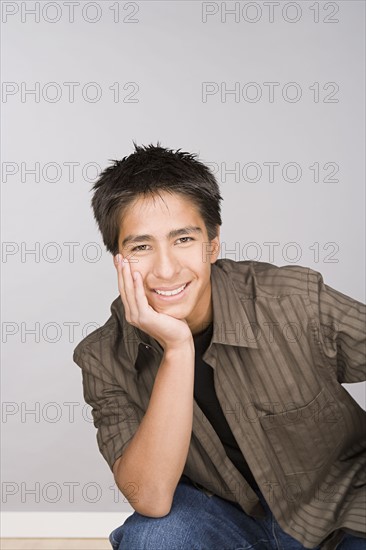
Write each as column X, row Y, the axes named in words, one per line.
column 351, row 542
column 182, row 528
column 145, row 533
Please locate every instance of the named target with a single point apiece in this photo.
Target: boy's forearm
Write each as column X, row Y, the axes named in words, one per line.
column 155, row 457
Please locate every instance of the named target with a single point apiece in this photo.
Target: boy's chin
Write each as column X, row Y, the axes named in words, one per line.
column 175, row 314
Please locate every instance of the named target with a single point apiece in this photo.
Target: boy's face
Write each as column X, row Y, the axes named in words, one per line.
column 169, row 255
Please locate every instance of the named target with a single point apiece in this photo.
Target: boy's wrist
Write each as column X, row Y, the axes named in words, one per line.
column 186, row 346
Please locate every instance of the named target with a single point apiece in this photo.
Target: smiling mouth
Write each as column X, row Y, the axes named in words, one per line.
column 171, row 292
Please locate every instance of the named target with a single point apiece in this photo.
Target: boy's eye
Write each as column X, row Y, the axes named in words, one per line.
column 184, row 239
column 144, row 247
column 139, row 248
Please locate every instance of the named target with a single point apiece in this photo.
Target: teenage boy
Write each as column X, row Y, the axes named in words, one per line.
column 215, row 385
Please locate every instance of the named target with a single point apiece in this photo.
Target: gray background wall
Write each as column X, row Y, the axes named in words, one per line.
column 105, row 73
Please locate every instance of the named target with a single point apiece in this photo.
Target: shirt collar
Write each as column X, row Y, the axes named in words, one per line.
column 231, row 315
column 231, row 308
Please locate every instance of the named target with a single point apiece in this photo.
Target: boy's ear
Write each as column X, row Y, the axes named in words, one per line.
column 215, row 247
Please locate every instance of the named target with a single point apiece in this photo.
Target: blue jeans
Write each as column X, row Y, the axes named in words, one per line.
column 199, row 522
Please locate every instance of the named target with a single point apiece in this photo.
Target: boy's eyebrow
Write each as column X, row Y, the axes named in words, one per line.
column 173, row 233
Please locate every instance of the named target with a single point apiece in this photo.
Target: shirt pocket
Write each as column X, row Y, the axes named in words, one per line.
column 306, row 439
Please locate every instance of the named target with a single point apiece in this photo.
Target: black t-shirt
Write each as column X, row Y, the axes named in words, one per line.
column 205, row 395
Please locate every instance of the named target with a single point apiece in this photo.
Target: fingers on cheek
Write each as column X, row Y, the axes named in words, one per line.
column 127, row 312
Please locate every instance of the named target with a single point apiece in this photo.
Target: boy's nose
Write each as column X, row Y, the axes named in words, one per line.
column 166, row 268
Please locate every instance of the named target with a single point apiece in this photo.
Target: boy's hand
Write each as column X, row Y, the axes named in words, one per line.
column 167, row 330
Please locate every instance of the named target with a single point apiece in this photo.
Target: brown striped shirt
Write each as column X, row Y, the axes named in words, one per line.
column 283, row 343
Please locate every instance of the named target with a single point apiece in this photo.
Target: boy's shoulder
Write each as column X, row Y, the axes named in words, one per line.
column 100, row 336
column 254, row 277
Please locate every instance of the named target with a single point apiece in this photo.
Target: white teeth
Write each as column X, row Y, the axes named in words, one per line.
column 171, row 292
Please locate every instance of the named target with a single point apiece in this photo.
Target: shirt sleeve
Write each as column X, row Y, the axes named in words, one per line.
column 342, row 329
column 115, row 416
